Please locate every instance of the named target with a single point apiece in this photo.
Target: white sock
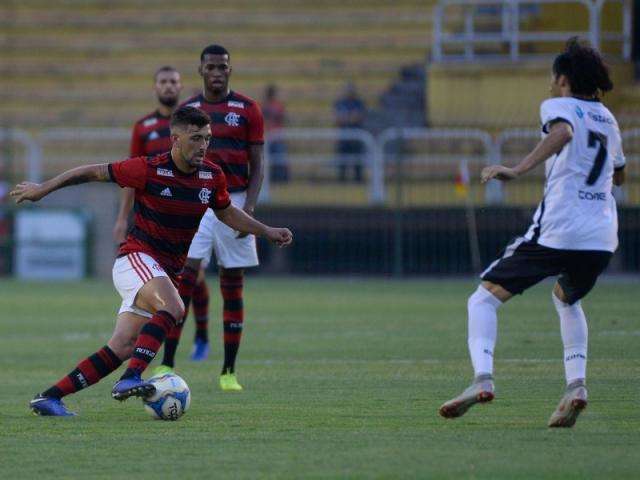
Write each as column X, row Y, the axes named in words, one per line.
column 574, row 331
column 483, row 329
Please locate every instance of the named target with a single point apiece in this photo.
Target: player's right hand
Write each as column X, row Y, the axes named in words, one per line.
column 27, row 191
column 280, row 236
column 119, row 231
column 499, row 172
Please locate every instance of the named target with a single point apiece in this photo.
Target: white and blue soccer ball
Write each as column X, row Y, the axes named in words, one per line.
column 171, row 400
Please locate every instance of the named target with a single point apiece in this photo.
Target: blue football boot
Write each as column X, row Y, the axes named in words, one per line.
column 49, row 407
column 132, row 387
column 200, row 350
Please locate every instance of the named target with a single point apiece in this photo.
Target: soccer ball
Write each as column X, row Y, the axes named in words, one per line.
column 171, row 400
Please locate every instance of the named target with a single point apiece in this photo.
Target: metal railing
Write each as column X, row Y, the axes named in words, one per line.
column 396, row 164
column 398, row 161
column 510, row 34
column 528, row 190
column 369, row 158
column 418, row 209
column 33, row 154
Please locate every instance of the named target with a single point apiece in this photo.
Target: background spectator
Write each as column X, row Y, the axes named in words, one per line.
column 274, row 113
column 350, row 111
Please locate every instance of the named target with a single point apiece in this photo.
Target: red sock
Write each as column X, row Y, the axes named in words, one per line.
column 148, row 343
column 232, row 316
column 201, row 310
column 185, row 289
column 89, row 371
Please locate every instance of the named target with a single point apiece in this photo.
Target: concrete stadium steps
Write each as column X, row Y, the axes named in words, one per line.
column 90, row 62
column 492, row 96
column 77, row 101
column 628, row 111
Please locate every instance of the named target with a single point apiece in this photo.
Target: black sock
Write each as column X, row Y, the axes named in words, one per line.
column 170, row 347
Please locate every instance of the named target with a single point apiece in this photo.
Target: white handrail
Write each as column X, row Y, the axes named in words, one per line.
column 510, row 33
column 33, row 154
column 376, row 184
column 375, row 146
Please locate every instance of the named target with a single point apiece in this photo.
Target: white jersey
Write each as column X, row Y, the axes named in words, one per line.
column 578, row 211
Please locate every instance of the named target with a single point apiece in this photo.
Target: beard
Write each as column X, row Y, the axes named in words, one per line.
column 170, row 102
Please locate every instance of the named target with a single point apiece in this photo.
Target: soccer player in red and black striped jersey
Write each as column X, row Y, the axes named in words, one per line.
column 237, row 147
column 150, row 136
column 172, row 192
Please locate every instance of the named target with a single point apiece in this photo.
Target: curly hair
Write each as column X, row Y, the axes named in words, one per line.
column 585, row 69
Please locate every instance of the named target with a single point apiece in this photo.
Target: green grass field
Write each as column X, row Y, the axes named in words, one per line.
column 342, row 379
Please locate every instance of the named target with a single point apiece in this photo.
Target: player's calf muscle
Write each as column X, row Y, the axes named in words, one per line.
column 122, row 346
column 125, row 334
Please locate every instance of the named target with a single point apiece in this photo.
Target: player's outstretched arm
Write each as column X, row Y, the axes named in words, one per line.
column 238, row 220
column 35, row 191
column 559, row 135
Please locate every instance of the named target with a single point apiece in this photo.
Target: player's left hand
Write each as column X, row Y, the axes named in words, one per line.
column 280, row 236
column 499, row 172
column 27, row 191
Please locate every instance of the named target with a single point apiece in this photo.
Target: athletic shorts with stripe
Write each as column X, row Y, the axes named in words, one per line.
column 213, row 236
column 130, row 273
column 525, row 263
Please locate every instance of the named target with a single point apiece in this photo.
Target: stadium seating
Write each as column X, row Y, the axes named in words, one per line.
column 90, row 63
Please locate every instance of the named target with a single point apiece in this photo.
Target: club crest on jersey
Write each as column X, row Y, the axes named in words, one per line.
column 204, row 195
column 205, row 175
column 153, row 135
column 164, row 172
column 232, row 103
column 232, row 119
column 149, row 122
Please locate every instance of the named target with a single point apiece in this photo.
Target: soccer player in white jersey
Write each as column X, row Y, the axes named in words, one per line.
column 574, row 231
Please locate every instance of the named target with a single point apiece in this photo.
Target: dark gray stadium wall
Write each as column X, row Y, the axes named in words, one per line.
column 636, row 37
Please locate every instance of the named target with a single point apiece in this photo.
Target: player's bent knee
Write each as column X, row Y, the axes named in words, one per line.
column 174, row 306
column 496, row 290
column 160, row 294
column 176, row 309
column 559, row 293
column 231, row 272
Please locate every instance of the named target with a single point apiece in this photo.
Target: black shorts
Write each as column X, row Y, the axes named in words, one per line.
column 525, row 263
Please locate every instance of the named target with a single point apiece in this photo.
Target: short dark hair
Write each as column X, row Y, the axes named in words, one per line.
column 214, row 49
column 584, row 68
column 165, row 68
column 185, row 116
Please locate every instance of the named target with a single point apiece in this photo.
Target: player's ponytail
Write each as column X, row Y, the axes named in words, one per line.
column 585, row 69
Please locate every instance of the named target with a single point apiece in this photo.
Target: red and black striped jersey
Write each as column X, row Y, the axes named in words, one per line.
column 236, row 123
column 150, row 136
column 168, row 205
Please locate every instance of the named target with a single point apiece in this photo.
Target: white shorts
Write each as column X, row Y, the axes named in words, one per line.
column 215, row 236
column 130, row 273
